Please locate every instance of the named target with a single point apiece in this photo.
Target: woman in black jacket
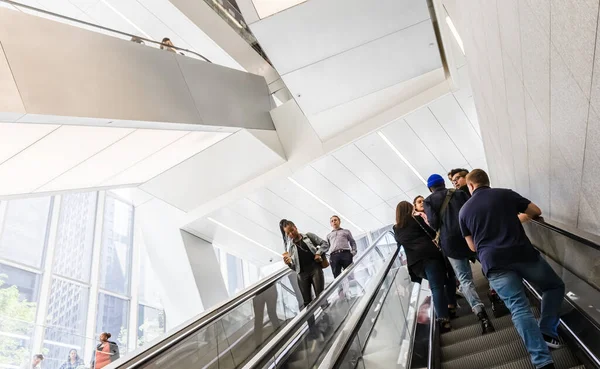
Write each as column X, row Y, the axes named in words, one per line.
column 425, row 260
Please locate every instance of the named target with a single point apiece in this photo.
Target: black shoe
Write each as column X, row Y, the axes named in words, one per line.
column 444, row 325
column 552, row 342
column 498, row 307
column 486, row 323
column 549, row 366
column 452, row 313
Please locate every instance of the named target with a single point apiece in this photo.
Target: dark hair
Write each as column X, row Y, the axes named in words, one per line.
column 38, row 356
column 77, row 358
column 165, row 39
column 416, row 198
column 463, row 171
column 479, row 177
column 282, row 224
column 108, row 335
column 403, row 213
column 335, row 216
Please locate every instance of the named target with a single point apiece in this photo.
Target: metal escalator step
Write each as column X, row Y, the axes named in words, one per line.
column 480, row 343
column 469, row 318
column 563, row 359
column 494, row 355
column 472, row 331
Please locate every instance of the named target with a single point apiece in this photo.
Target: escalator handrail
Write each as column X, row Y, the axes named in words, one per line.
column 144, row 354
column 579, row 238
column 347, row 342
column 284, row 336
column 21, row 5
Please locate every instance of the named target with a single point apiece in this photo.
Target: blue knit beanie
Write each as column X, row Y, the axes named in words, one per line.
column 435, row 180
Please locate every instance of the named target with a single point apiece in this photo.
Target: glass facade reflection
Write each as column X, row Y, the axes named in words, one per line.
column 64, row 279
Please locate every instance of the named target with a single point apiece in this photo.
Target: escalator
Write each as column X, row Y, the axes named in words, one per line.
column 374, row 317
column 230, row 335
column 417, row 344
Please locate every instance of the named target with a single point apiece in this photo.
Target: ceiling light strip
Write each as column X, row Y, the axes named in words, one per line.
column 243, row 236
column 325, row 204
column 126, row 19
column 387, row 141
column 455, row 34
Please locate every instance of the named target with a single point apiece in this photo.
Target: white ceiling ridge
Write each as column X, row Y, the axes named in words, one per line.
column 336, row 212
column 347, row 136
column 242, row 236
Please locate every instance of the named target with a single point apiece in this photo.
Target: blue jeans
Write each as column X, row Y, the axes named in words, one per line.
column 442, row 288
column 462, row 269
column 509, row 286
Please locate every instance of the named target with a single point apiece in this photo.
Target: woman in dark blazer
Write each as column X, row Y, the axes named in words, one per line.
column 425, row 260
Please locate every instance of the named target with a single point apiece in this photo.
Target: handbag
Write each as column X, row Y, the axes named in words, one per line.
column 435, row 241
column 324, row 261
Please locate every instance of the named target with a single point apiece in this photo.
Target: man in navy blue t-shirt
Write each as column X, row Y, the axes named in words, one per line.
column 491, row 223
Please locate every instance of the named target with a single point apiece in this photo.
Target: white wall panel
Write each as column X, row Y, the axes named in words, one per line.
column 365, row 220
column 365, row 169
column 346, row 181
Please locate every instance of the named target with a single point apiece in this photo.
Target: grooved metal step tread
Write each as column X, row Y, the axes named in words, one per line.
column 493, row 356
column 481, row 343
column 469, row 318
column 563, row 359
column 472, row 331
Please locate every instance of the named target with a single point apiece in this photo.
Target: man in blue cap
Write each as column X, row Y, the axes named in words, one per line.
column 442, row 208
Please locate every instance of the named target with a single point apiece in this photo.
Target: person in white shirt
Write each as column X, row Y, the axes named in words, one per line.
column 342, row 246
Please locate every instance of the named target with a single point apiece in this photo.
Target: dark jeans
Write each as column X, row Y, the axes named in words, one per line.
column 268, row 297
column 306, row 280
column 340, row 261
column 443, row 287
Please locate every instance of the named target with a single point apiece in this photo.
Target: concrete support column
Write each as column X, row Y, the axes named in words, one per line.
column 206, row 270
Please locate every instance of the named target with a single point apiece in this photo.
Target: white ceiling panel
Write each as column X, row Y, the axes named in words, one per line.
column 394, row 202
column 53, row 155
column 413, row 149
column 389, row 163
column 418, row 191
column 249, row 229
column 303, row 202
column 230, row 241
column 365, row 220
column 282, row 209
column 455, row 122
column 114, row 159
column 257, row 214
column 265, row 8
column 324, row 189
column 362, row 166
column 429, row 130
column 358, row 72
column 171, row 155
column 317, row 30
column 346, row 181
column 15, row 137
column 384, row 213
